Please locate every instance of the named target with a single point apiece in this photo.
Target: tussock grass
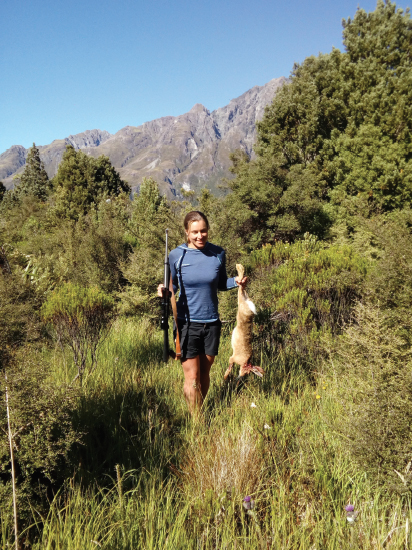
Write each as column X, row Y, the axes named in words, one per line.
column 224, row 461
column 150, row 477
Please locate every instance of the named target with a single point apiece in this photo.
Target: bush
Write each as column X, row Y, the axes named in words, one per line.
column 390, row 282
column 82, row 181
column 303, row 290
column 150, row 216
column 81, row 317
column 373, row 369
column 19, row 319
column 40, row 419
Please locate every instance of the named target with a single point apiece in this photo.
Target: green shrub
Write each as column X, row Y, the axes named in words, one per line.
column 373, row 368
column 82, row 181
column 20, row 322
column 150, row 215
column 81, row 318
column 43, row 435
column 303, row 290
column 390, row 281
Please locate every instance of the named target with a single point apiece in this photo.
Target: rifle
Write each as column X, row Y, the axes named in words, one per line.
column 167, row 352
column 164, row 325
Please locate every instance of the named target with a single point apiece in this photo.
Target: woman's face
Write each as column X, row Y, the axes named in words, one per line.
column 197, row 234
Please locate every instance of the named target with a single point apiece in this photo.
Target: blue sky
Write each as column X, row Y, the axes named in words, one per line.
column 70, row 66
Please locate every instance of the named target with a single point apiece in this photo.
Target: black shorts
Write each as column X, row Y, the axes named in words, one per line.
column 198, row 338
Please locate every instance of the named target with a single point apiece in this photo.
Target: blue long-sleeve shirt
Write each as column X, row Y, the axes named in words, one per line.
column 199, row 274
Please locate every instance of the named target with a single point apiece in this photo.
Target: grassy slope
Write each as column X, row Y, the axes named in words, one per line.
column 150, row 477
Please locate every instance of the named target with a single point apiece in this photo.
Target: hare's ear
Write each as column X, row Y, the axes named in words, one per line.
column 240, row 270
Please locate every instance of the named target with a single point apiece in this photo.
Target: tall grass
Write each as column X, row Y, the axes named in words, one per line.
column 150, row 477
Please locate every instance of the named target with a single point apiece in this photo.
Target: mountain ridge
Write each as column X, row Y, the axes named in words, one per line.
column 188, row 152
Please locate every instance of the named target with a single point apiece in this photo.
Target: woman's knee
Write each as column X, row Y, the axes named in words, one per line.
column 191, row 368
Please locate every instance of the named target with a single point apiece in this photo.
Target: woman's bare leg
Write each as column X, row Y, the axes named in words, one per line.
column 206, row 362
column 192, row 386
column 197, row 380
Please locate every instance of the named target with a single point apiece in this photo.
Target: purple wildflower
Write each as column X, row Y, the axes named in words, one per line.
column 351, row 514
column 248, row 503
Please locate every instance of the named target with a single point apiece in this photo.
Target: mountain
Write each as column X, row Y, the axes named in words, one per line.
column 187, row 152
column 13, row 160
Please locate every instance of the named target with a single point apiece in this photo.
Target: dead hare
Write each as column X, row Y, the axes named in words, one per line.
column 242, row 333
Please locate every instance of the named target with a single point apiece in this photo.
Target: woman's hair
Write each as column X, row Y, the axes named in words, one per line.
column 195, row 216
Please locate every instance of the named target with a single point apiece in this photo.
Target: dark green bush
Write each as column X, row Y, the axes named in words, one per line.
column 303, row 290
column 20, row 322
column 81, row 318
column 373, row 368
column 40, row 420
column 83, row 181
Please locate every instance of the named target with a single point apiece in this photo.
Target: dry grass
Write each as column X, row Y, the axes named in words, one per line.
column 225, row 462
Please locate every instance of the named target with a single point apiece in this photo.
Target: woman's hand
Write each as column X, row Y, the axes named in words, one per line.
column 160, row 289
column 241, row 282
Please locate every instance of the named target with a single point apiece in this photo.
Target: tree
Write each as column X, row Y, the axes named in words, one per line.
column 150, row 216
column 34, row 179
column 337, row 138
column 2, row 190
column 82, row 181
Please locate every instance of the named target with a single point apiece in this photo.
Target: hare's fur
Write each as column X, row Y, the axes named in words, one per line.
column 242, row 333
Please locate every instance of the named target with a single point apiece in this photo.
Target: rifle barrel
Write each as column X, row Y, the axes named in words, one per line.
column 165, row 304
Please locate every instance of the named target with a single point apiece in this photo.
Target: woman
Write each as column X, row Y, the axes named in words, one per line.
column 198, row 269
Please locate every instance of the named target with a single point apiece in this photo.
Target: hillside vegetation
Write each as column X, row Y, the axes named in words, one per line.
column 98, row 448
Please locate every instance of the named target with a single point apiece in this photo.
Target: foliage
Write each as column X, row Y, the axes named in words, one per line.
column 2, row 190
column 9, row 201
column 19, row 319
column 81, row 318
column 43, row 435
column 390, row 282
column 304, row 290
column 268, row 203
column 375, row 364
column 87, row 252
column 336, row 138
column 150, row 216
column 34, row 179
column 82, row 181
column 94, row 249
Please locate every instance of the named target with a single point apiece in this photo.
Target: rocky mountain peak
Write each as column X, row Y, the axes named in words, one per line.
column 198, row 108
column 187, row 152
column 89, row 138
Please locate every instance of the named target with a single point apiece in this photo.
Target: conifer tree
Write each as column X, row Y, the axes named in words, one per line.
column 336, row 139
column 2, row 190
column 82, row 181
column 34, row 179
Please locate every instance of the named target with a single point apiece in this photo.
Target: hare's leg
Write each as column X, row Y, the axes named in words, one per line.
column 230, row 367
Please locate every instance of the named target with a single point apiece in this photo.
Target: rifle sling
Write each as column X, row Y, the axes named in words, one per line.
column 174, row 308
